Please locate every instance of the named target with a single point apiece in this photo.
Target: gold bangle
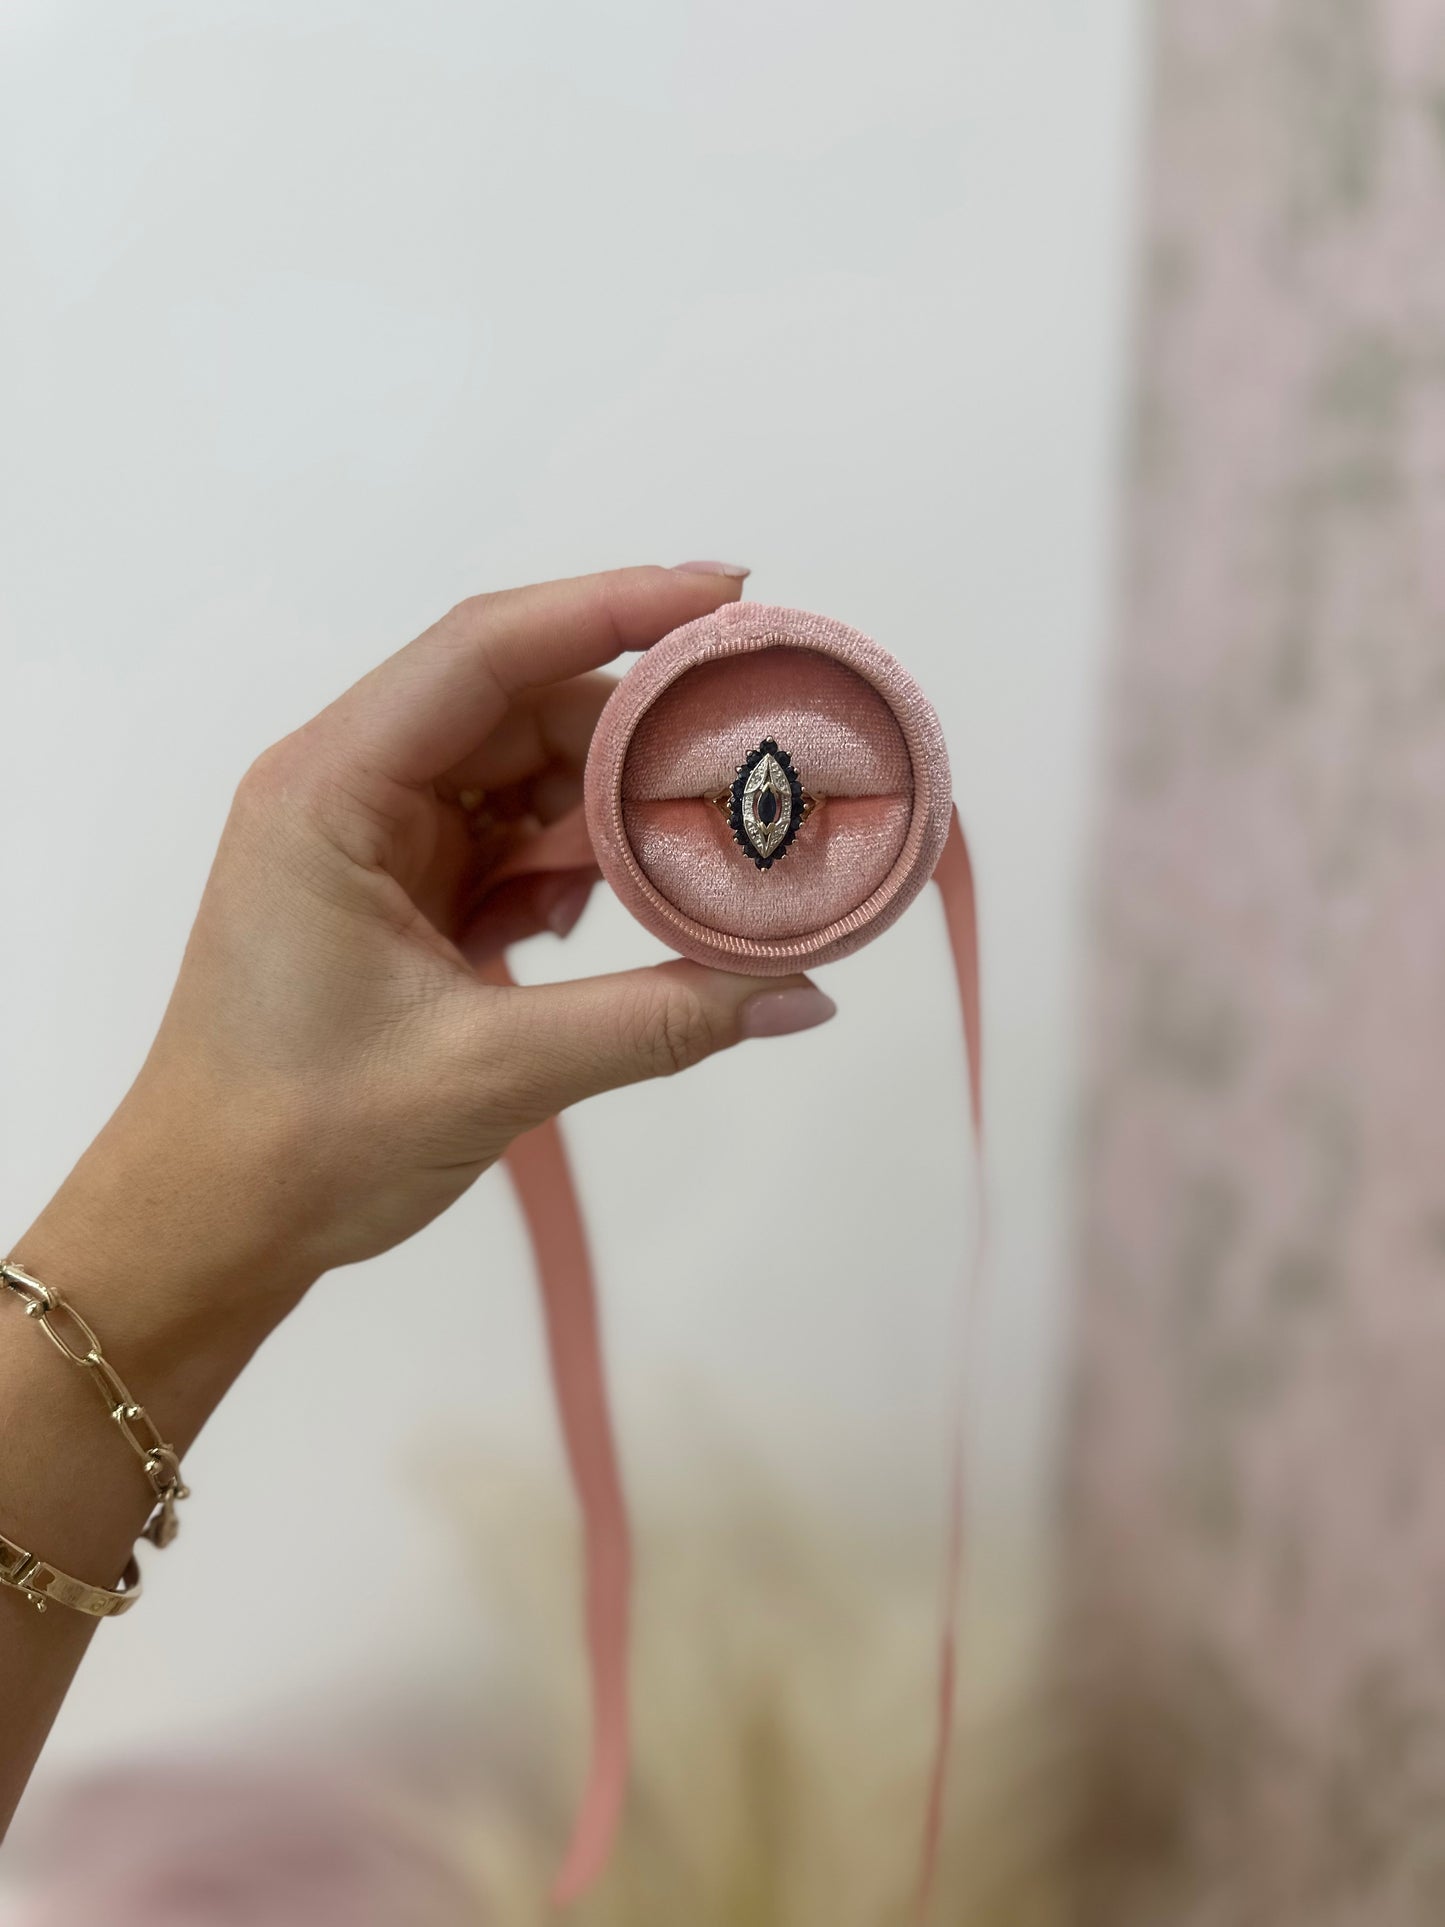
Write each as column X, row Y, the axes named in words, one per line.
column 41, row 1582
column 159, row 1460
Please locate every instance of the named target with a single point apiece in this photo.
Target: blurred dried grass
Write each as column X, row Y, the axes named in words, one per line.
column 784, row 1695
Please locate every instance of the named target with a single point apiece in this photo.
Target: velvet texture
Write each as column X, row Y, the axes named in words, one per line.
column 862, row 737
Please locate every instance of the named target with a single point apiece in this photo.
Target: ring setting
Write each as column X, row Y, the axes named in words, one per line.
column 765, row 805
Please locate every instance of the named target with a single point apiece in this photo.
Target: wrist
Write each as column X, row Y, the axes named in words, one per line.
column 170, row 1237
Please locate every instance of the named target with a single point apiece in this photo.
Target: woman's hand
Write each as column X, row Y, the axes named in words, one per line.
column 332, row 1072
column 328, row 999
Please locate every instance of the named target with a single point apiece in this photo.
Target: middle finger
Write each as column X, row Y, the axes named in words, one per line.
column 545, row 730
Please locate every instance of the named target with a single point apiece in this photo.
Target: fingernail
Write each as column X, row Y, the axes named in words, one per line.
column 778, row 1013
column 735, row 570
column 568, row 907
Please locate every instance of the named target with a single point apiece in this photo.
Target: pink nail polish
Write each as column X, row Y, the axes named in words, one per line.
column 735, row 570
column 570, row 904
column 778, row 1013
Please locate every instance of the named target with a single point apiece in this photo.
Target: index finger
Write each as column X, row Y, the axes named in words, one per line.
column 425, row 708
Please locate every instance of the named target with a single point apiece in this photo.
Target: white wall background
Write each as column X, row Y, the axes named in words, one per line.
column 319, row 314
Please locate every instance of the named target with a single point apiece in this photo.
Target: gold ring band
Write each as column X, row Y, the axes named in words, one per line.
column 722, row 801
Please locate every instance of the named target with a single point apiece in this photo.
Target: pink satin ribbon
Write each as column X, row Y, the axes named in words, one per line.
column 541, row 1176
column 954, row 877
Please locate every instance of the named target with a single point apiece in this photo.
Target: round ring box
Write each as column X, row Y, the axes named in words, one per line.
column 845, row 718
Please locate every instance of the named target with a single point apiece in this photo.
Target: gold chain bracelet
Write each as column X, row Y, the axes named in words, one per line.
column 63, row 1325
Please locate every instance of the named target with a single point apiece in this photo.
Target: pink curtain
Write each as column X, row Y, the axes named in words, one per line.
column 1257, row 1461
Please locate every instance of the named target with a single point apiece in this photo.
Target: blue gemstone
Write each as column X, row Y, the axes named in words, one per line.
column 767, row 807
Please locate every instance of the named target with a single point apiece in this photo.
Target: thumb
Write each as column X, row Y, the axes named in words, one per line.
column 568, row 1041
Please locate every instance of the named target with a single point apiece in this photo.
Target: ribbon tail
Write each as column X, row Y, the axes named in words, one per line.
column 954, row 877
column 541, row 1176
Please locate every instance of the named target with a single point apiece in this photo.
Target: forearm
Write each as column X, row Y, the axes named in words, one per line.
column 158, row 1238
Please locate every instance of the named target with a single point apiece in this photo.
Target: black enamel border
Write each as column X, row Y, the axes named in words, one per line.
column 767, row 747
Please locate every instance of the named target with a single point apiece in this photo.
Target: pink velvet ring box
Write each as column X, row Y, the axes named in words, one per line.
column 848, row 723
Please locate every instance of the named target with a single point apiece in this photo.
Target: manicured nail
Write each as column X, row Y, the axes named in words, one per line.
column 735, row 570
column 568, row 907
column 777, row 1013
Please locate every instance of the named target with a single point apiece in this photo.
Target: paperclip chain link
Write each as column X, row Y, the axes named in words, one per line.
column 72, row 1336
